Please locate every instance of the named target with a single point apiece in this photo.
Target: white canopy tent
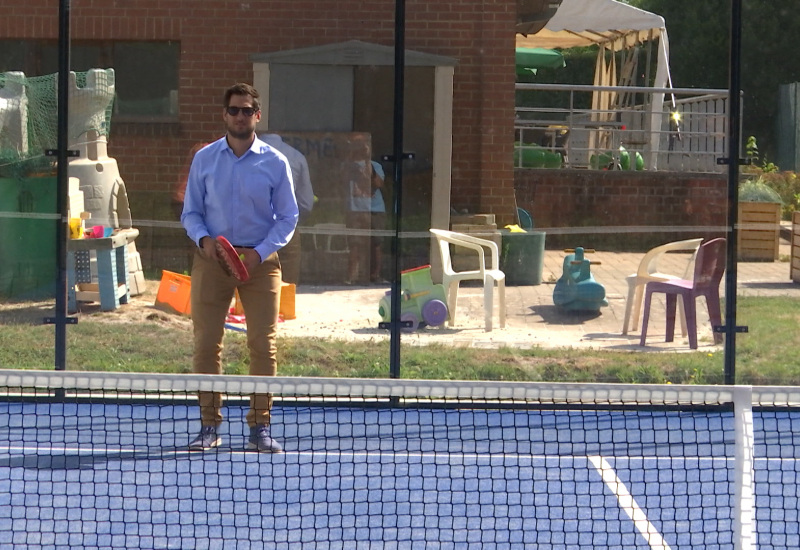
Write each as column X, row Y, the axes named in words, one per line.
column 613, row 27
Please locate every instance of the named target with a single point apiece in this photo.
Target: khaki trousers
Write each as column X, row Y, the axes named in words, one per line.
column 211, row 296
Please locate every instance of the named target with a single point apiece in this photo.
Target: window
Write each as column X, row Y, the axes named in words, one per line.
column 146, row 72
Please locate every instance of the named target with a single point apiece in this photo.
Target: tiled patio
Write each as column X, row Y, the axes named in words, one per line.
column 532, row 319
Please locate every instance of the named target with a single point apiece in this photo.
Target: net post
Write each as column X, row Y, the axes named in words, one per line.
column 744, row 526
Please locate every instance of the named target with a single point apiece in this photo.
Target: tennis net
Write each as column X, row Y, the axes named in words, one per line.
column 99, row 460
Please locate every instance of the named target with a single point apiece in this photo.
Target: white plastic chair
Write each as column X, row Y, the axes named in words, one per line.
column 323, row 237
column 488, row 274
column 648, row 271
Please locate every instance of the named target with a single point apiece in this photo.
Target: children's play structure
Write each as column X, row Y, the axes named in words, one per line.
column 28, row 131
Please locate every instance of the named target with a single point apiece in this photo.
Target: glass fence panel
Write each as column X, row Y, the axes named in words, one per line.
column 767, row 191
column 136, row 147
column 432, row 215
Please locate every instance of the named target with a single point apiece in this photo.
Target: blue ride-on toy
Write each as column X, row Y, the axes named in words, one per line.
column 577, row 289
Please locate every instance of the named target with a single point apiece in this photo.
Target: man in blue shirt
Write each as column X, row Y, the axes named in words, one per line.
column 241, row 188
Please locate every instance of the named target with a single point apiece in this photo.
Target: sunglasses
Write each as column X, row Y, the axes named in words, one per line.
column 247, row 111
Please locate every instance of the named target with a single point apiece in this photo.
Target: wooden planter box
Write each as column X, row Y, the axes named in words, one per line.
column 795, row 266
column 759, row 231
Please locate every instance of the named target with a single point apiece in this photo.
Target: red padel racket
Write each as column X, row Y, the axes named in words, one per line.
column 229, row 259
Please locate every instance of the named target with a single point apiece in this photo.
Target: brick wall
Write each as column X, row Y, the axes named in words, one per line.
column 217, row 36
column 623, row 200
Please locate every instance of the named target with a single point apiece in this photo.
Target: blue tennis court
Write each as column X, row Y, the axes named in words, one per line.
column 116, row 475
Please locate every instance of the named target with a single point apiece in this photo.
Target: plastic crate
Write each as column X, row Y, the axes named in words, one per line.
column 174, row 293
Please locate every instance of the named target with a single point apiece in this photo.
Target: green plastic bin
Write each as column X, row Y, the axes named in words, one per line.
column 522, row 257
column 28, row 263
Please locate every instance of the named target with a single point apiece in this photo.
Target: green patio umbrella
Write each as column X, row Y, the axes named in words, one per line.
column 530, row 59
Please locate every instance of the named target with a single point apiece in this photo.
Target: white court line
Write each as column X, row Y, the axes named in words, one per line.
column 628, row 503
column 19, row 451
column 178, row 449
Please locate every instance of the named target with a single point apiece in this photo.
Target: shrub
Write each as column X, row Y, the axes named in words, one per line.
column 785, row 184
column 758, row 190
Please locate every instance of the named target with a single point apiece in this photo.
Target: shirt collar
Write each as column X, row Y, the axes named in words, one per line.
column 256, row 147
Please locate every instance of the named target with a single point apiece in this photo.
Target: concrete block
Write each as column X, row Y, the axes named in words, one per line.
column 137, row 283
column 134, row 262
column 472, row 227
column 474, row 219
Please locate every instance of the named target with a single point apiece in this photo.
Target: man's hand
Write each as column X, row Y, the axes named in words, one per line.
column 208, row 248
column 250, row 257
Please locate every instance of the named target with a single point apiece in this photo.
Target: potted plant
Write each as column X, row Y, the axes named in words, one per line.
column 759, row 221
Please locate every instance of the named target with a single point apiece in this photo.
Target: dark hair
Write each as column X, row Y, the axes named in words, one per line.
column 240, row 88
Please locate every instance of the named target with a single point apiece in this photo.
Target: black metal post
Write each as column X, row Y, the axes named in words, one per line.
column 734, row 138
column 62, row 186
column 398, row 157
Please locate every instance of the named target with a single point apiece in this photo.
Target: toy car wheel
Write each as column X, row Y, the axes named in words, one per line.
column 434, row 312
column 411, row 318
column 385, row 309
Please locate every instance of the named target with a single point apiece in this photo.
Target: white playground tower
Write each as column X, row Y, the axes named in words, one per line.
column 101, row 190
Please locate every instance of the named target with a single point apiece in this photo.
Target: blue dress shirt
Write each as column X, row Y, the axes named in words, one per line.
column 248, row 199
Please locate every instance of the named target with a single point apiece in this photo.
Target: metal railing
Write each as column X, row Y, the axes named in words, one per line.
column 629, row 128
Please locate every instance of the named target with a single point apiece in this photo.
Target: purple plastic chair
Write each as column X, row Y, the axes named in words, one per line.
column 708, row 269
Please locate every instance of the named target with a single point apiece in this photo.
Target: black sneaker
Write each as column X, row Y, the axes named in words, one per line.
column 260, row 440
column 206, row 439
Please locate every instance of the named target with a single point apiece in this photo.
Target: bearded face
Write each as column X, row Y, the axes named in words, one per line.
column 241, row 117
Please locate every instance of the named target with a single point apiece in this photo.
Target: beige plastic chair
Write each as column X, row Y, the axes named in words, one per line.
column 649, row 271
column 488, row 273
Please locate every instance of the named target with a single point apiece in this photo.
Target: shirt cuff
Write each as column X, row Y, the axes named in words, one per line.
column 261, row 252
